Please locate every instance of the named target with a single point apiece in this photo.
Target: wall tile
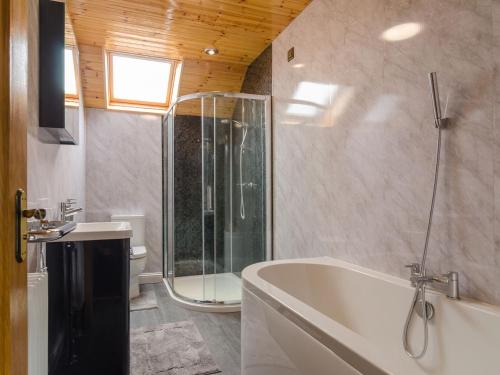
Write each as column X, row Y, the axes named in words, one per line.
column 123, row 172
column 355, row 144
column 55, row 172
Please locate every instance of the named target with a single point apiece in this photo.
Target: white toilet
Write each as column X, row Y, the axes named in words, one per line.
column 138, row 251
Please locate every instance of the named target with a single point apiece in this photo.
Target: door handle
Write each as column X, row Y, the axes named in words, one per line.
column 21, row 226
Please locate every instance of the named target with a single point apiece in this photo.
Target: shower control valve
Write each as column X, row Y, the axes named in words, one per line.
column 415, row 272
column 251, row 185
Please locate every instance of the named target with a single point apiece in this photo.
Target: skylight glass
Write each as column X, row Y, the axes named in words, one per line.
column 140, row 80
column 69, row 73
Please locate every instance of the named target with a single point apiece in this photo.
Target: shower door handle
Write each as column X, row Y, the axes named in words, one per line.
column 209, row 198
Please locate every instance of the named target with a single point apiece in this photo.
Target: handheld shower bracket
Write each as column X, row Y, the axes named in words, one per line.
column 442, row 123
column 439, row 121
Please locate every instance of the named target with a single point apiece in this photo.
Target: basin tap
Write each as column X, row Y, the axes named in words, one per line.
column 68, row 211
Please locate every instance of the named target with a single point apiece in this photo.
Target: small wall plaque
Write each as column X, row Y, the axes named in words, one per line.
column 291, row 54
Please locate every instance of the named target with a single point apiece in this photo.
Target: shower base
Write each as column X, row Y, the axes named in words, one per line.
column 196, row 292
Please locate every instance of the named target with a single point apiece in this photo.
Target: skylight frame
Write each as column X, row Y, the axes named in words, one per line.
column 130, row 105
column 73, row 99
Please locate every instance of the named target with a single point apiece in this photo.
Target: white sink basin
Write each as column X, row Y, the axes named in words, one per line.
column 99, row 231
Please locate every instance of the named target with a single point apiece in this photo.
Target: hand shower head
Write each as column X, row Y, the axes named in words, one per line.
column 438, row 120
column 238, row 124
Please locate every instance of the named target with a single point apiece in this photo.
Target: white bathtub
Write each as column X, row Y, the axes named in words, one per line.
column 323, row 316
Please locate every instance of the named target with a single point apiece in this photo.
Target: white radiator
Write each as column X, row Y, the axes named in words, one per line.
column 38, row 323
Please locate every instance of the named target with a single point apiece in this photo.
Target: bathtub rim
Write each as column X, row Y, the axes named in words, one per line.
column 351, row 346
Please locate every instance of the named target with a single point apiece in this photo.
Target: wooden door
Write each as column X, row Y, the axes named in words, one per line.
column 13, row 133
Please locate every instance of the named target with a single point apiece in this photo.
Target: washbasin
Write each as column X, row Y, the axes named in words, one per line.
column 99, row 231
column 102, row 227
column 50, row 231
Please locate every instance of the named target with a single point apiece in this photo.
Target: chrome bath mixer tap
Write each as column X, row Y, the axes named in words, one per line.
column 448, row 280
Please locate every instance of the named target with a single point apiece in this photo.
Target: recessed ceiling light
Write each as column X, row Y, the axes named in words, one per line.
column 211, row 51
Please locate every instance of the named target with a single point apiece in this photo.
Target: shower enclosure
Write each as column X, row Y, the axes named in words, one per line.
column 216, row 204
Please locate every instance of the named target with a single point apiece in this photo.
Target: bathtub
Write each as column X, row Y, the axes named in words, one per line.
column 324, row 316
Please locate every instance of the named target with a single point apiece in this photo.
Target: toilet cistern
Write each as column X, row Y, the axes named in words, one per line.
column 138, row 251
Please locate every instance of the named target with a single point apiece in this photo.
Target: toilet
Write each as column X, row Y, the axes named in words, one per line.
column 138, row 251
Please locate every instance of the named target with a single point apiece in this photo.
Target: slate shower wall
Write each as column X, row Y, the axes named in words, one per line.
column 187, row 196
column 249, row 234
column 258, row 79
column 248, row 191
column 354, row 139
column 188, row 189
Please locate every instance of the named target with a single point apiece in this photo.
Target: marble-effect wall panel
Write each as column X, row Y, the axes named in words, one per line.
column 123, row 172
column 496, row 57
column 55, row 172
column 355, row 143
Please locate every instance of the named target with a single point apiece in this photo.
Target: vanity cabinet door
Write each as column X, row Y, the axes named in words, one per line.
column 89, row 307
column 59, row 299
column 107, row 307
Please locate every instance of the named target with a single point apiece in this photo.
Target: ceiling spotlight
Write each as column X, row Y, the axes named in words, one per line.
column 211, row 51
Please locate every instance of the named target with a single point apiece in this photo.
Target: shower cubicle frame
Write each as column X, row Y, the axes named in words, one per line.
column 168, row 216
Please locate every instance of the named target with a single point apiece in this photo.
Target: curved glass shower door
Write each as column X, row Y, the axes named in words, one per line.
column 216, row 194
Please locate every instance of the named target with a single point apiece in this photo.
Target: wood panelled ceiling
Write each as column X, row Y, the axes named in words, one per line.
column 177, row 29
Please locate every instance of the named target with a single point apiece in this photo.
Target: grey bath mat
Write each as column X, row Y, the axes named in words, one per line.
column 170, row 349
column 145, row 301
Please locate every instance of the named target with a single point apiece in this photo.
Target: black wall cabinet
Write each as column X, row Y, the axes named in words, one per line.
column 51, row 75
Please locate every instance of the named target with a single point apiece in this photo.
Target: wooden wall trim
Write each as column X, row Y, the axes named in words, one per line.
column 4, row 186
column 14, row 120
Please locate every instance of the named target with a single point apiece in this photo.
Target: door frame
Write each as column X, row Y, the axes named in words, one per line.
column 14, row 112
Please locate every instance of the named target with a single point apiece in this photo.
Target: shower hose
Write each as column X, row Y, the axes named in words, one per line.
column 420, row 286
column 242, row 151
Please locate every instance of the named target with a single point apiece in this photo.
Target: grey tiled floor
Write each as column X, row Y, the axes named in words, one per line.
column 221, row 331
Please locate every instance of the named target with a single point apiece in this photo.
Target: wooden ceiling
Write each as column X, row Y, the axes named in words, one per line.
column 177, row 29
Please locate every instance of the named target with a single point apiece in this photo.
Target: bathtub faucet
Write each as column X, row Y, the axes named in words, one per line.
column 448, row 280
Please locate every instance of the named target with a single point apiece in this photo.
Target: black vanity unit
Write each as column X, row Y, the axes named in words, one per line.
column 89, row 307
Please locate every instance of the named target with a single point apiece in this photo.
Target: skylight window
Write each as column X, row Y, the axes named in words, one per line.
column 139, row 82
column 70, row 87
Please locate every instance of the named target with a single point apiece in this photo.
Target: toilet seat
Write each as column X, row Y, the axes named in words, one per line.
column 138, row 252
